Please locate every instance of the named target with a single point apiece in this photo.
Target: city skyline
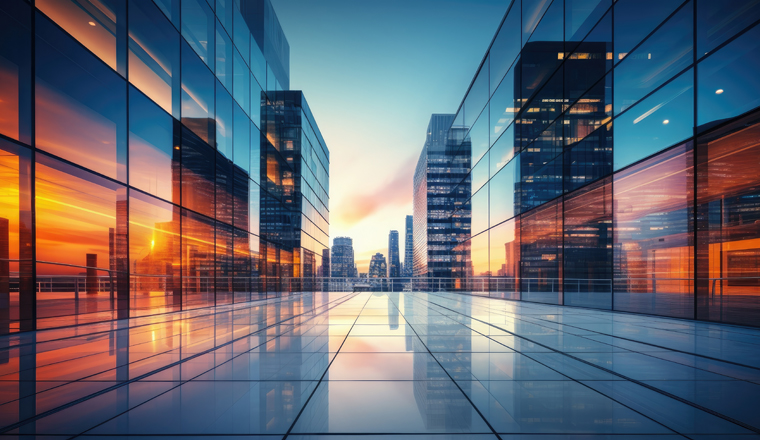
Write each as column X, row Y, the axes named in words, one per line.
column 450, row 39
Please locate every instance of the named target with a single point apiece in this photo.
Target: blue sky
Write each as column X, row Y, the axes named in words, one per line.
column 373, row 72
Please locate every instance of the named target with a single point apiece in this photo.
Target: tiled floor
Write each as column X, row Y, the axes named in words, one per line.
column 396, row 365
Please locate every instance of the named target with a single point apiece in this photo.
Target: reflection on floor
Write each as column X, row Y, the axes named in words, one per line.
column 397, row 365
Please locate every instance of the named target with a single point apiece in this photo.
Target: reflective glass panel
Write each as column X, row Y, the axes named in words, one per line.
column 480, row 173
column 154, row 55
column 197, row 95
column 503, row 187
column 659, row 58
column 197, row 261
column 100, row 25
column 653, row 243
column 241, row 35
column 154, row 255
column 224, row 10
column 479, row 261
column 478, row 137
column 198, row 174
column 224, row 50
column 504, row 259
column 16, row 70
column 727, row 81
column 635, row 19
column 720, row 21
column 581, row 16
column 241, row 198
column 480, row 211
column 587, row 273
column 505, row 47
column 504, row 104
column 503, row 150
column 225, row 247
column 80, row 104
column 16, row 258
column 661, row 120
column 198, row 29
column 242, row 138
column 224, row 189
column 153, row 150
column 541, row 254
column 728, row 239
column 224, row 106
column 242, row 91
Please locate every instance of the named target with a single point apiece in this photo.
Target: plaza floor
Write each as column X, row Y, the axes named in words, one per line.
column 384, row 365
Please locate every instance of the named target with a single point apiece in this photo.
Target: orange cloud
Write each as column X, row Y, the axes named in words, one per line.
column 397, row 191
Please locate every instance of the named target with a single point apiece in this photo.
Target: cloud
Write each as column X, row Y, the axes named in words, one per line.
column 397, row 191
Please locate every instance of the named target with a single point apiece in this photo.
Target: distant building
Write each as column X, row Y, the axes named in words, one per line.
column 408, row 247
column 377, row 266
column 342, row 260
column 394, row 264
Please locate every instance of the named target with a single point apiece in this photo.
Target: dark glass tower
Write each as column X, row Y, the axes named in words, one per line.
column 394, row 262
column 342, row 261
column 408, row 246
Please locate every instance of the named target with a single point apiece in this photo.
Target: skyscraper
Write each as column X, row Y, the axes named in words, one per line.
column 408, row 268
column 439, row 169
column 174, row 144
column 342, row 260
column 394, row 264
column 378, row 267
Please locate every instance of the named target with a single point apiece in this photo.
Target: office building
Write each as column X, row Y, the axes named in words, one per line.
column 408, row 246
column 378, row 268
column 439, row 169
column 342, row 260
column 142, row 144
column 394, row 263
column 611, row 151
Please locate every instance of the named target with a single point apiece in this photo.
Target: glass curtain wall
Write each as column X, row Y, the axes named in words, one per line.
column 131, row 150
column 620, row 144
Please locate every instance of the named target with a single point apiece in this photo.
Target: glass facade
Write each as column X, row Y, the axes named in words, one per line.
column 607, row 149
column 135, row 176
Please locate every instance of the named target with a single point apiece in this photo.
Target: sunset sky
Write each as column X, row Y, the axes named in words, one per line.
column 373, row 72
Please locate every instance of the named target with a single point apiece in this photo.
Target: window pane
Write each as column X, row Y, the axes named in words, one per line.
column 478, row 137
column 479, row 261
column 588, row 247
column 224, row 189
column 720, row 21
column 258, row 63
column 477, row 97
column 225, row 247
column 15, row 70
column 198, row 29
column 224, row 50
column 661, row 120
column 532, row 13
column 242, row 266
column 258, row 100
column 257, row 139
column 504, row 259
column 589, row 62
column 504, row 104
column 81, row 223
column 480, row 211
column 589, row 159
column 224, row 12
column 242, row 139
column 541, row 169
column 154, row 55
column 728, row 188
column 581, row 16
column 503, row 187
column 198, row 174
column 154, row 255
column 727, row 81
column 241, row 35
column 197, row 96
column 80, row 105
column 480, row 173
column 659, row 58
column 635, row 19
column 105, row 32
column 170, row 8
column 153, row 158
column 224, row 106
column 506, row 46
column 241, row 83
column 254, row 210
column 241, row 198
column 653, row 245
column 16, row 307
column 197, row 261
column 541, row 254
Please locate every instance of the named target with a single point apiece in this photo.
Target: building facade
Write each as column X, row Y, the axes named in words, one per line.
column 136, row 167
column 394, row 261
column 378, row 268
column 408, row 266
column 436, row 176
column 612, row 150
column 342, row 261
